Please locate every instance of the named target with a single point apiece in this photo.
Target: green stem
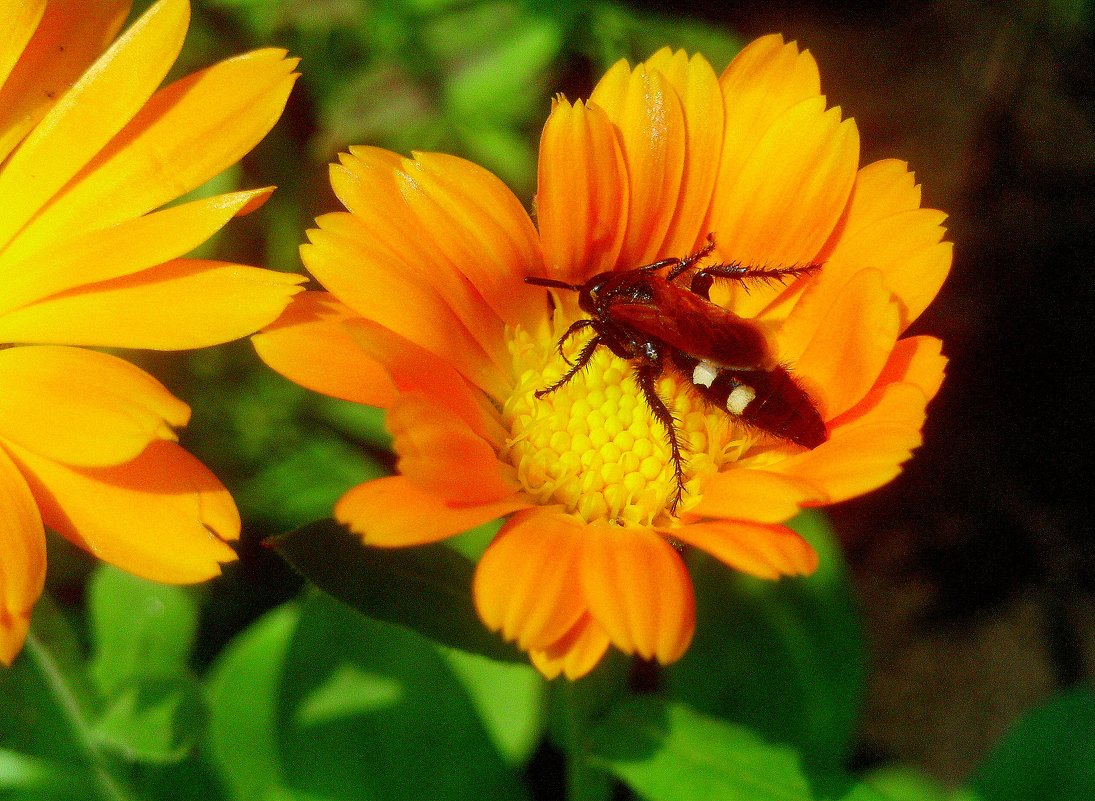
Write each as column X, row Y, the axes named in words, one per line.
column 109, row 787
column 584, row 782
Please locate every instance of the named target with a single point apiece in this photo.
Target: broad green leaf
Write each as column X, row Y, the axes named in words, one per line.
column 370, row 710
column 1049, row 753
column 509, row 699
column 785, row 658
column 154, row 718
column 426, row 589
column 902, row 783
column 244, row 692
column 139, row 628
column 667, row 752
column 27, row 777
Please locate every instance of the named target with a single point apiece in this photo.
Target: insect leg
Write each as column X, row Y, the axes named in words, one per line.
column 583, row 359
column 574, row 328
column 647, row 375
column 702, row 280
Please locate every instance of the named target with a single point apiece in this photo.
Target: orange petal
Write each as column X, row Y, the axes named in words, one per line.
column 918, row 361
column 851, row 345
column 312, row 344
column 526, row 584
column 122, row 249
column 80, row 407
column 747, row 494
column 198, row 126
column 790, row 192
column 577, row 653
column 440, row 453
column 70, row 35
column 767, row 551
column 487, row 235
column 582, row 194
column 383, row 286
column 701, row 101
column 22, row 558
column 389, row 235
column 413, row 369
column 885, row 229
column 182, row 304
column 162, row 516
column 638, row 590
column 868, row 450
column 90, row 113
column 648, row 116
column 393, row 512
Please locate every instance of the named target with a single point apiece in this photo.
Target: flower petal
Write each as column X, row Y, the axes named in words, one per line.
column 868, row 450
column 383, row 286
column 182, row 304
column 387, row 230
column 101, row 102
column 851, row 345
column 188, row 132
column 311, row 344
column 414, row 369
column 751, row 494
column 488, row 236
column 582, row 194
column 22, row 558
column 122, row 249
column 84, row 408
column 162, row 516
column 70, row 35
column 915, row 360
column 648, row 116
column 393, row 512
column 526, row 584
column 701, row 101
column 790, row 192
column 638, row 590
column 766, row 551
column 440, row 453
column 575, row 654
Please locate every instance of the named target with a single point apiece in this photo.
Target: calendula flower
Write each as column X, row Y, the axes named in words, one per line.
column 89, row 149
column 428, row 316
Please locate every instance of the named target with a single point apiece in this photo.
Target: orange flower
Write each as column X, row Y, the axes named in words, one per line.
column 89, row 148
column 428, row 317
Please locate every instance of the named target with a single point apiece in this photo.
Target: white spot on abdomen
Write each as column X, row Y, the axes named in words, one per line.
column 705, row 374
column 741, row 397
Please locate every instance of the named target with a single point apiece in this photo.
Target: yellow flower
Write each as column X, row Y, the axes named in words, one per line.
column 89, row 149
column 429, row 317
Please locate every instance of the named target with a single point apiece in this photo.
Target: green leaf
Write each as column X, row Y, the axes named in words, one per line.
column 28, row 777
column 667, row 752
column 1049, row 754
column 244, row 693
column 785, row 658
column 509, row 699
column 154, row 718
column 903, row 783
column 139, row 628
column 370, row 710
column 426, row 589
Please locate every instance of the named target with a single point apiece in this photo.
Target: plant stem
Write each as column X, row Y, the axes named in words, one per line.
column 108, row 786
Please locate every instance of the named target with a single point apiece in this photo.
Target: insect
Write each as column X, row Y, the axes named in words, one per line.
column 656, row 323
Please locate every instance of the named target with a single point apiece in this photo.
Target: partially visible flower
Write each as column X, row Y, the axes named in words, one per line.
column 428, row 317
column 89, row 149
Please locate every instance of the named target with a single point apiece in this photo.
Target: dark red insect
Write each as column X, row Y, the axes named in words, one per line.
column 656, row 323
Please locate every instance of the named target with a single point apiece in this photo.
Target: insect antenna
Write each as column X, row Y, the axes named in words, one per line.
column 552, row 282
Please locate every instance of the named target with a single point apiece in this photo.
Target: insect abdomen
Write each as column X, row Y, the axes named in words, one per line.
column 770, row 400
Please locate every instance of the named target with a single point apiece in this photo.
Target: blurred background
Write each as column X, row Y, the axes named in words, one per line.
column 975, row 569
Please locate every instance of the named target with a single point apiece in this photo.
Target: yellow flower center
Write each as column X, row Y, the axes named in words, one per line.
column 594, row 445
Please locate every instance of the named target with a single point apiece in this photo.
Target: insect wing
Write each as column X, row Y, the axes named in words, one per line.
column 687, row 322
